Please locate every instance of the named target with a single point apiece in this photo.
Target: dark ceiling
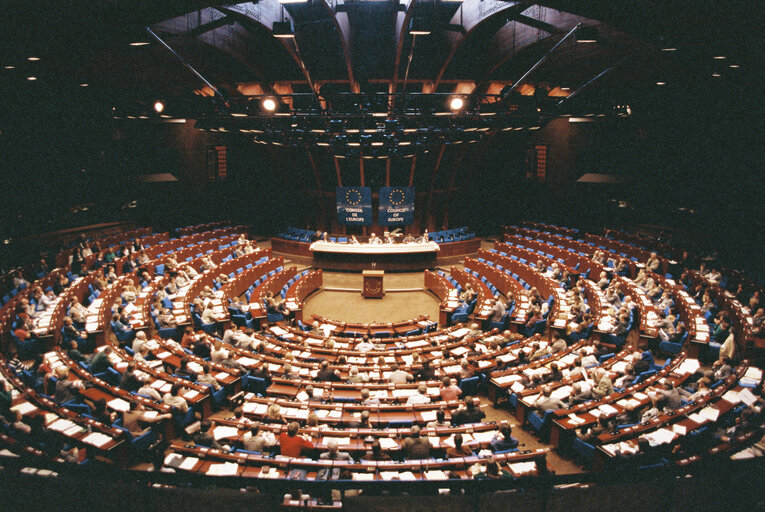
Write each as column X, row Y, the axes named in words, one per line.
column 696, row 135
column 474, row 46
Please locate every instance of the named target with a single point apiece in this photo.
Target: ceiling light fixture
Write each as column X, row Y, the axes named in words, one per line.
column 159, row 107
column 456, row 103
column 269, row 104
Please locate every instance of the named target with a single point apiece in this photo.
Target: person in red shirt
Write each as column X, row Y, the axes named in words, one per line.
column 22, row 334
column 291, row 444
column 449, row 390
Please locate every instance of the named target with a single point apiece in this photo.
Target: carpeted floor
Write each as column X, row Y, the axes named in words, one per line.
column 340, row 299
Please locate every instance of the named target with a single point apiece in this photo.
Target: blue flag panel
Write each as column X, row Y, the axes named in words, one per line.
column 396, row 206
column 354, row 206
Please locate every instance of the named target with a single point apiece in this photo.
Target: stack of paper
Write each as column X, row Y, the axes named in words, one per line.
column 118, row 404
column 660, row 436
column 97, row 439
column 224, row 432
column 387, row 443
column 224, row 469
column 61, row 425
column 523, row 468
column 710, row 413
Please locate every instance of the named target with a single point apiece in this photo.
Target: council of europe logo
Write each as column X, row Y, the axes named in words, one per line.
column 353, row 196
column 396, row 197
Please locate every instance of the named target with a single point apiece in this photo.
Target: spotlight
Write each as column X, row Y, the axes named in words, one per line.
column 456, row 103
column 159, row 107
column 269, row 104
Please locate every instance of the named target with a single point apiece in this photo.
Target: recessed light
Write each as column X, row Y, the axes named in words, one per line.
column 139, row 43
column 33, row 59
column 10, row 67
column 734, row 66
column 83, row 85
column 716, row 75
column 719, row 57
column 31, row 78
column 669, row 49
column 661, row 83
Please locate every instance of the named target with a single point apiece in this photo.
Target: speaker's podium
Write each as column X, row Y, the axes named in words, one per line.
column 373, row 284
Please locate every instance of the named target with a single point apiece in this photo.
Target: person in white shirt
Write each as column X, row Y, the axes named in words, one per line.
column 181, row 279
column 421, row 397
column 374, row 239
column 139, row 341
column 365, row 345
column 78, row 312
column 48, row 299
column 208, row 315
column 149, row 391
column 218, row 353
column 142, row 355
column 399, row 376
column 173, row 399
column 206, row 378
column 366, row 400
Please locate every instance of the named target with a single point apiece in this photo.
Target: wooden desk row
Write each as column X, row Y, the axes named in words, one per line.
column 91, row 436
column 668, row 427
column 301, row 289
column 210, row 462
column 566, row 421
column 421, row 322
column 338, row 413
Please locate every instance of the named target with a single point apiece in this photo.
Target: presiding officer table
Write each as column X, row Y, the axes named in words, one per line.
column 385, row 256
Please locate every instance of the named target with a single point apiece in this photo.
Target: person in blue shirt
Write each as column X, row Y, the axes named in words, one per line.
column 504, row 440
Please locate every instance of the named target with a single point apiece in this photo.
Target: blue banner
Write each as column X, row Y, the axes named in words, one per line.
column 396, row 206
column 354, row 206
